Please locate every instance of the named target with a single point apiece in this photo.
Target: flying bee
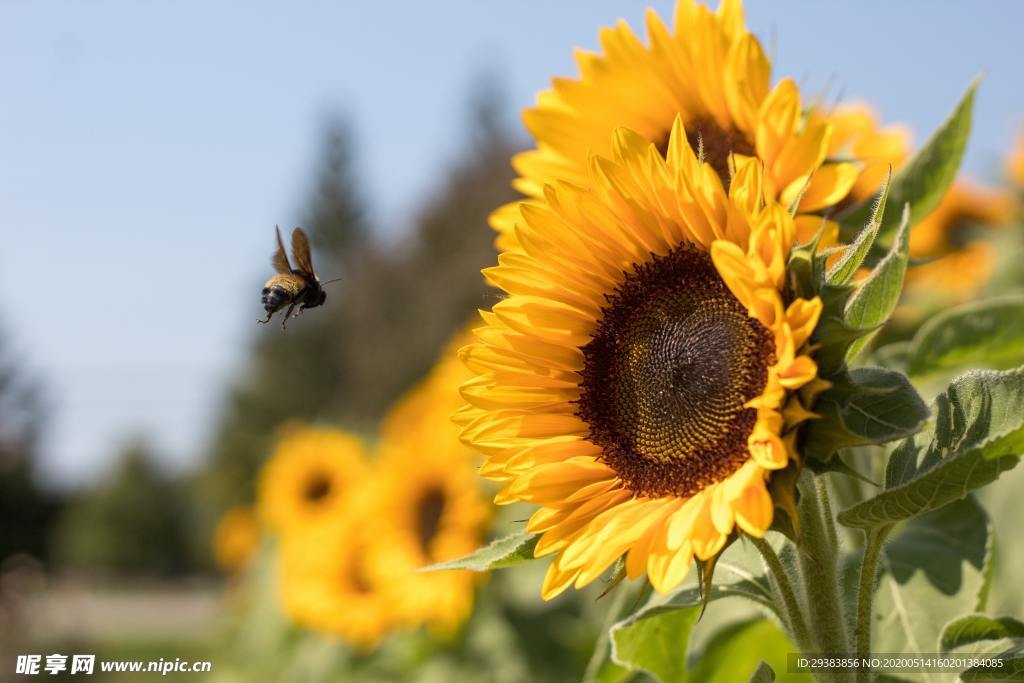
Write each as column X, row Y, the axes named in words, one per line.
column 292, row 287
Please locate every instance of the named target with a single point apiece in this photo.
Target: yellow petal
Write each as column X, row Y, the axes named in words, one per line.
column 777, row 120
column 829, row 185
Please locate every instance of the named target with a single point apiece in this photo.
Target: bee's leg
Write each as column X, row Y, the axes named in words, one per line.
column 287, row 315
column 270, row 314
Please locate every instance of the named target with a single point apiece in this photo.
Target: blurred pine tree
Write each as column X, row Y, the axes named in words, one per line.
column 405, row 301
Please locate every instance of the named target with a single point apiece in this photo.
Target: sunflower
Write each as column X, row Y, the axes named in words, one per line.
column 236, row 538
column 640, row 381
column 714, row 74
column 951, row 241
column 324, row 583
column 428, row 502
column 310, row 477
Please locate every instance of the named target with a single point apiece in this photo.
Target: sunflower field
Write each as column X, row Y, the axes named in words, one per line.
column 738, row 397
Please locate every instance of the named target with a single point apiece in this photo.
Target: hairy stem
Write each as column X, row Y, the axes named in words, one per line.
column 821, row 486
column 866, row 592
column 791, row 609
column 819, row 569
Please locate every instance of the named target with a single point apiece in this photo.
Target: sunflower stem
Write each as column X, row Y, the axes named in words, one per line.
column 791, row 609
column 875, row 538
column 819, row 569
column 826, row 508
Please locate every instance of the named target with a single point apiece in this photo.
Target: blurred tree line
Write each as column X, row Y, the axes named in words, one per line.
column 26, row 512
column 403, row 294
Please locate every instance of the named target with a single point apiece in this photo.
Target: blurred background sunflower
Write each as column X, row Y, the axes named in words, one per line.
column 236, row 538
column 428, row 504
column 325, row 583
column 315, row 475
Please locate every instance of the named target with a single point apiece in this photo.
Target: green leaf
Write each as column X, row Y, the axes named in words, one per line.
column 762, row 674
column 934, row 569
column 923, row 181
column 1010, row 668
column 867, row 406
column 854, row 254
column 876, row 297
column 755, row 645
column 853, row 313
column 655, row 640
column 977, row 434
column 893, row 356
column 504, row 552
column 988, row 333
column 600, row 668
column 972, row 628
column 644, row 641
column 685, row 598
column 805, row 265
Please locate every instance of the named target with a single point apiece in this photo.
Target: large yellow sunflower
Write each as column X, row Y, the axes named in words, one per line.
column 639, row 382
column 952, row 241
column 236, row 538
column 310, row 477
column 713, row 73
column 427, row 502
column 325, row 585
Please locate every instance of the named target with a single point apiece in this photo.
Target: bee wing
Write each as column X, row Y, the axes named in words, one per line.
column 300, row 252
column 280, row 257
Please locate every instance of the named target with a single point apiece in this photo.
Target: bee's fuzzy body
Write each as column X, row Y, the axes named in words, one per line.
column 292, row 286
column 281, row 290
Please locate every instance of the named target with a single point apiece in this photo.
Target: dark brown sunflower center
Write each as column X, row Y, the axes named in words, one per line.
column 716, row 144
column 673, row 361
column 964, row 228
column 428, row 514
column 317, row 488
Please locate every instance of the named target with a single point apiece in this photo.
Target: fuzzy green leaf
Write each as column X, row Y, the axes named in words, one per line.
column 923, row 181
column 655, row 640
column 977, row 434
column 972, row 628
column 854, row 254
column 876, row 298
column 689, row 597
column 600, row 668
column 984, row 333
column 852, row 313
column 893, row 356
column 503, row 552
column 1010, row 667
column 805, row 265
column 867, row 406
column 732, row 653
column 935, row 568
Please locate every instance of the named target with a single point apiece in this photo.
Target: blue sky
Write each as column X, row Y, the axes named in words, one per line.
column 147, row 150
